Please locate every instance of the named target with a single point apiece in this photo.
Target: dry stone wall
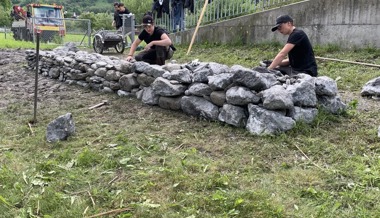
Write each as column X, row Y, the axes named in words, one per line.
column 260, row 100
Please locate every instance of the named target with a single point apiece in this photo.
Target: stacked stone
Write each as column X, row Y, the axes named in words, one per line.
column 262, row 101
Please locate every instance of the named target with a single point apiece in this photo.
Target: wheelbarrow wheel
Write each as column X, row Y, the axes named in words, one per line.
column 98, row 45
column 120, row 47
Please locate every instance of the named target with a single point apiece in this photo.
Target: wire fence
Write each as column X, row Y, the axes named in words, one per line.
column 181, row 17
column 53, row 30
column 62, row 30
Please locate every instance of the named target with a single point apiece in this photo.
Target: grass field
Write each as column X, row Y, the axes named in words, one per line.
column 7, row 41
column 152, row 162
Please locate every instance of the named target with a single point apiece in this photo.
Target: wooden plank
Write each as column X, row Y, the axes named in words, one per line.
column 349, row 62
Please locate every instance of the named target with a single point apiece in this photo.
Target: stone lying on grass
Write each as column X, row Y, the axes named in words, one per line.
column 60, row 128
column 262, row 101
column 372, row 88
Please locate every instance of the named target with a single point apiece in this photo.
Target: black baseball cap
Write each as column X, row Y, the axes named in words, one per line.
column 280, row 20
column 147, row 19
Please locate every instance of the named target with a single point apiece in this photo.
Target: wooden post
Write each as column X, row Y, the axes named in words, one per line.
column 196, row 28
column 36, row 77
column 350, row 62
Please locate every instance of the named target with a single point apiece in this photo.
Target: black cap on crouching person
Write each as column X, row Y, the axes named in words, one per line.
column 280, row 20
column 147, row 19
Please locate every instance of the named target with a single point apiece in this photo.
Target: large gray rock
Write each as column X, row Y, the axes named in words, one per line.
column 171, row 103
column 325, row 86
column 303, row 93
column 77, row 75
column 238, row 95
column 266, row 122
column 199, row 107
column 182, row 75
column 150, row 70
column 101, row 72
column 112, row 85
column 371, row 88
column 252, row 79
column 332, row 104
column 125, row 67
column 277, row 98
column 233, row 115
column 218, row 98
column 54, row 73
column 238, row 68
column 112, row 75
column 149, row 96
column 101, row 64
column 217, row 68
column 220, row 81
column 198, row 89
column 164, row 87
column 128, row 82
column 306, row 115
column 201, row 75
column 144, row 79
column 60, row 128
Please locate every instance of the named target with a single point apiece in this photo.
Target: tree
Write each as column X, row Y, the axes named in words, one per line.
column 5, row 19
column 5, row 4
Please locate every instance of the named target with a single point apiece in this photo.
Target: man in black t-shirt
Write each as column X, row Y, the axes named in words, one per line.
column 157, row 43
column 298, row 49
column 121, row 9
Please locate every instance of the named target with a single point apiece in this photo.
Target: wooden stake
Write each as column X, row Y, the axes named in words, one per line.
column 350, row 62
column 309, row 158
column 198, row 24
column 110, row 212
column 30, row 127
column 105, row 102
column 92, row 200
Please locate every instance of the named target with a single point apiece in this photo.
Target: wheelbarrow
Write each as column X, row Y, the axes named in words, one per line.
column 105, row 39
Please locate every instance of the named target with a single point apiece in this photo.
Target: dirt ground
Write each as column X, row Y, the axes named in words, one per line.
column 17, row 83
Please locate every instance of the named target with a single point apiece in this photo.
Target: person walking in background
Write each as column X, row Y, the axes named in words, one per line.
column 298, row 48
column 178, row 15
column 120, row 11
column 157, row 42
column 115, row 13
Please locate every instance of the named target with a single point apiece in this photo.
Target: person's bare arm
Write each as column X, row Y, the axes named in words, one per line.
column 280, row 60
column 165, row 41
column 133, row 49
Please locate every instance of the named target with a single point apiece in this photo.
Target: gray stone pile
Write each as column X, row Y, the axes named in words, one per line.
column 262, row 101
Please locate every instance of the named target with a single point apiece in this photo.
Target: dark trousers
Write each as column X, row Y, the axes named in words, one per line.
column 288, row 70
column 156, row 55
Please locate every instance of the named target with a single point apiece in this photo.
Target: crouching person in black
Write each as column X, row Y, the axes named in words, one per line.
column 298, row 49
column 158, row 44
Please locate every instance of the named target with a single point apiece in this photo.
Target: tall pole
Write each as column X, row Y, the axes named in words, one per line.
column 36, row 76
column 198, row 24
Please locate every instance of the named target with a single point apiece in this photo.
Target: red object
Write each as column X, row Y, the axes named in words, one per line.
column 17, row 10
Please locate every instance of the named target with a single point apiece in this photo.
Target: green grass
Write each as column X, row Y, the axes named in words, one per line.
column 160, row 163
column 7, row 41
